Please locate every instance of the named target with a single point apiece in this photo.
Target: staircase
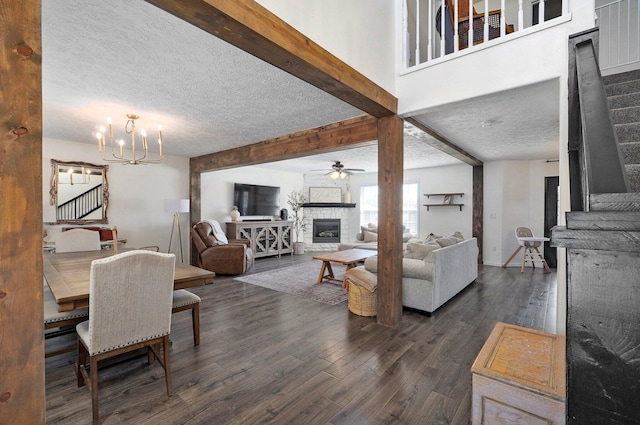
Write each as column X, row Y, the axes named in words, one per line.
column 623, row 92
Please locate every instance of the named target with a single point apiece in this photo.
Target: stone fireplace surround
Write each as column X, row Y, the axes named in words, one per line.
column 311, row 213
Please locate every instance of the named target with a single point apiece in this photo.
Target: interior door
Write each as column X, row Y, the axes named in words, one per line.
column 550, row 216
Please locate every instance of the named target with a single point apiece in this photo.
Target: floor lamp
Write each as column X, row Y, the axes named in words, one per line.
column 176, row 206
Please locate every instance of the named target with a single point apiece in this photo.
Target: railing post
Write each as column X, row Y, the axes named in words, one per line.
column 541, row 11
column 470, row 30
column 503, row 20
column 443, row 46
column 429, row 31
column 486, row 21
column 456, row 36
column 405, row 34
column 521, row 15
column 418, row 32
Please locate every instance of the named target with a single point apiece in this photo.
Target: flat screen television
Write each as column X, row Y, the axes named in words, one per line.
column 252, row 199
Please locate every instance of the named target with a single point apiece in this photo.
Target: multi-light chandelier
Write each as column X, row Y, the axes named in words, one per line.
column 117, row 151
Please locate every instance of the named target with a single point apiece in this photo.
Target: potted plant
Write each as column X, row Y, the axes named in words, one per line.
column 295, row 200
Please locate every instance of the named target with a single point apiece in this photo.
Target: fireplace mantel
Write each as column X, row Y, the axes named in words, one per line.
column 327, row 205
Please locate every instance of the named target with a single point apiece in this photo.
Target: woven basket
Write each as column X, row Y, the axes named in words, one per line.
column 362, row 301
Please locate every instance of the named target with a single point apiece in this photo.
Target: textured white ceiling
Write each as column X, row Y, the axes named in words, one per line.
column 107, row 59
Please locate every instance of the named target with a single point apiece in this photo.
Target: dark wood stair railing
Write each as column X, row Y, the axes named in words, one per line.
column 602, row 241
column 82, row 205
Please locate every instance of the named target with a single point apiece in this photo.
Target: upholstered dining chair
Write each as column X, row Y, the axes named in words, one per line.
column 75, row 240
column 184, row 300
column 129, row 309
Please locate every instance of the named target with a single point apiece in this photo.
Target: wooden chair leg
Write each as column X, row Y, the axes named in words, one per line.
column 81, row 361
column 195, row 321
column 524, row 259
column 512, row 255
column 93, row 386
column 167, row 364
column 544, row 262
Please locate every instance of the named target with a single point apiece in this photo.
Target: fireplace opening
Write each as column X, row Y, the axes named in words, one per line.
column 326, row 230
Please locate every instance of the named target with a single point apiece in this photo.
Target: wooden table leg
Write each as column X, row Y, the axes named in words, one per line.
column 322, row 268
column 326, row 267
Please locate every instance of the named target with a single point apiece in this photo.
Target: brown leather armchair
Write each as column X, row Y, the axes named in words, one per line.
column 234, row 257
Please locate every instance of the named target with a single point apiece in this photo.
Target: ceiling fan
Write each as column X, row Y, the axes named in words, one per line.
column 339, row 171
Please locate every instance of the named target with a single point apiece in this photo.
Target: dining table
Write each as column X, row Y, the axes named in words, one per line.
column 68, row 276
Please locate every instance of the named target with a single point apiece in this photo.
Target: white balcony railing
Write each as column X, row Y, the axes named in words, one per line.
column 619, row 23
column 430, row 34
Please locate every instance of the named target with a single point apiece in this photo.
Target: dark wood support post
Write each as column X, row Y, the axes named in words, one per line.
column 21, row 312
column 478, row 207
column 390, row 175
column 195, row 208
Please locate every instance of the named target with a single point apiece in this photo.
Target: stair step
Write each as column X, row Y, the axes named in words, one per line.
column 624, row 100
column 633, row 174
column 599, row 240
column 614, row 201
column 623, row 88
column 630, row 152
column 622, row 77
column 603, row 220
column 626, row 115
column 628, row 133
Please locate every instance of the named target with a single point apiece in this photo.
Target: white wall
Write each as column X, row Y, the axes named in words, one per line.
column 513, row 196
column 217, row 188
column 438, row 220
column 356, row 31
column 136, row 194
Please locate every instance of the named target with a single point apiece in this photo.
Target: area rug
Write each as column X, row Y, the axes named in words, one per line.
column 300, row 280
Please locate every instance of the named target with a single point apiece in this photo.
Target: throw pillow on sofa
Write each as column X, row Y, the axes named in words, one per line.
column 369, row 236
column 431, row 238
column 447, row 241
column 419, row 250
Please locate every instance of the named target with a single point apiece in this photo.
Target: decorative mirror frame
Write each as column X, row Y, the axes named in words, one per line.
column 53, row 192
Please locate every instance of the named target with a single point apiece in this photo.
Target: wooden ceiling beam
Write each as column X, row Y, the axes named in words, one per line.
column 254, row 29
column 360, row 131
column 445, row 145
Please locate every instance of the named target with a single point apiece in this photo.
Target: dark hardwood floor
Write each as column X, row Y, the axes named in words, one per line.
column 268, row 357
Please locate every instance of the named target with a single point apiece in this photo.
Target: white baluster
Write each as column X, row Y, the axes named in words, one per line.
column 521, row 15
column 405, row 34
column 503, row 20
column 541, row 11
column 470, row 32
column 443, row 48
column 565, row 7
column 456, row 36
column 486, row 20
column 429, row 31
column 418, row 32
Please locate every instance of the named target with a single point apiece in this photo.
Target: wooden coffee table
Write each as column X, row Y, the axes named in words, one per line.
column 348, row 257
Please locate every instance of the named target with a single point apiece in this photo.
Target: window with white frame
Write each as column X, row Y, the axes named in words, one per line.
column 369, row 206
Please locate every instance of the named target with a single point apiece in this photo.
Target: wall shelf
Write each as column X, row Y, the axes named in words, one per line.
column 446, row 201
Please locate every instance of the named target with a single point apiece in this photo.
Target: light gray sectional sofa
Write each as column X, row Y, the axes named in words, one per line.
column 430, row 282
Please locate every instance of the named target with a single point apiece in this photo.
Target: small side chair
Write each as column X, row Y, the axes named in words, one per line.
column 130, row 308
column 530, row 243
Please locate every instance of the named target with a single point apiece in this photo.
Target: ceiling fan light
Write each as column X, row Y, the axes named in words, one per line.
column 335, row 175
column 343, row 175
